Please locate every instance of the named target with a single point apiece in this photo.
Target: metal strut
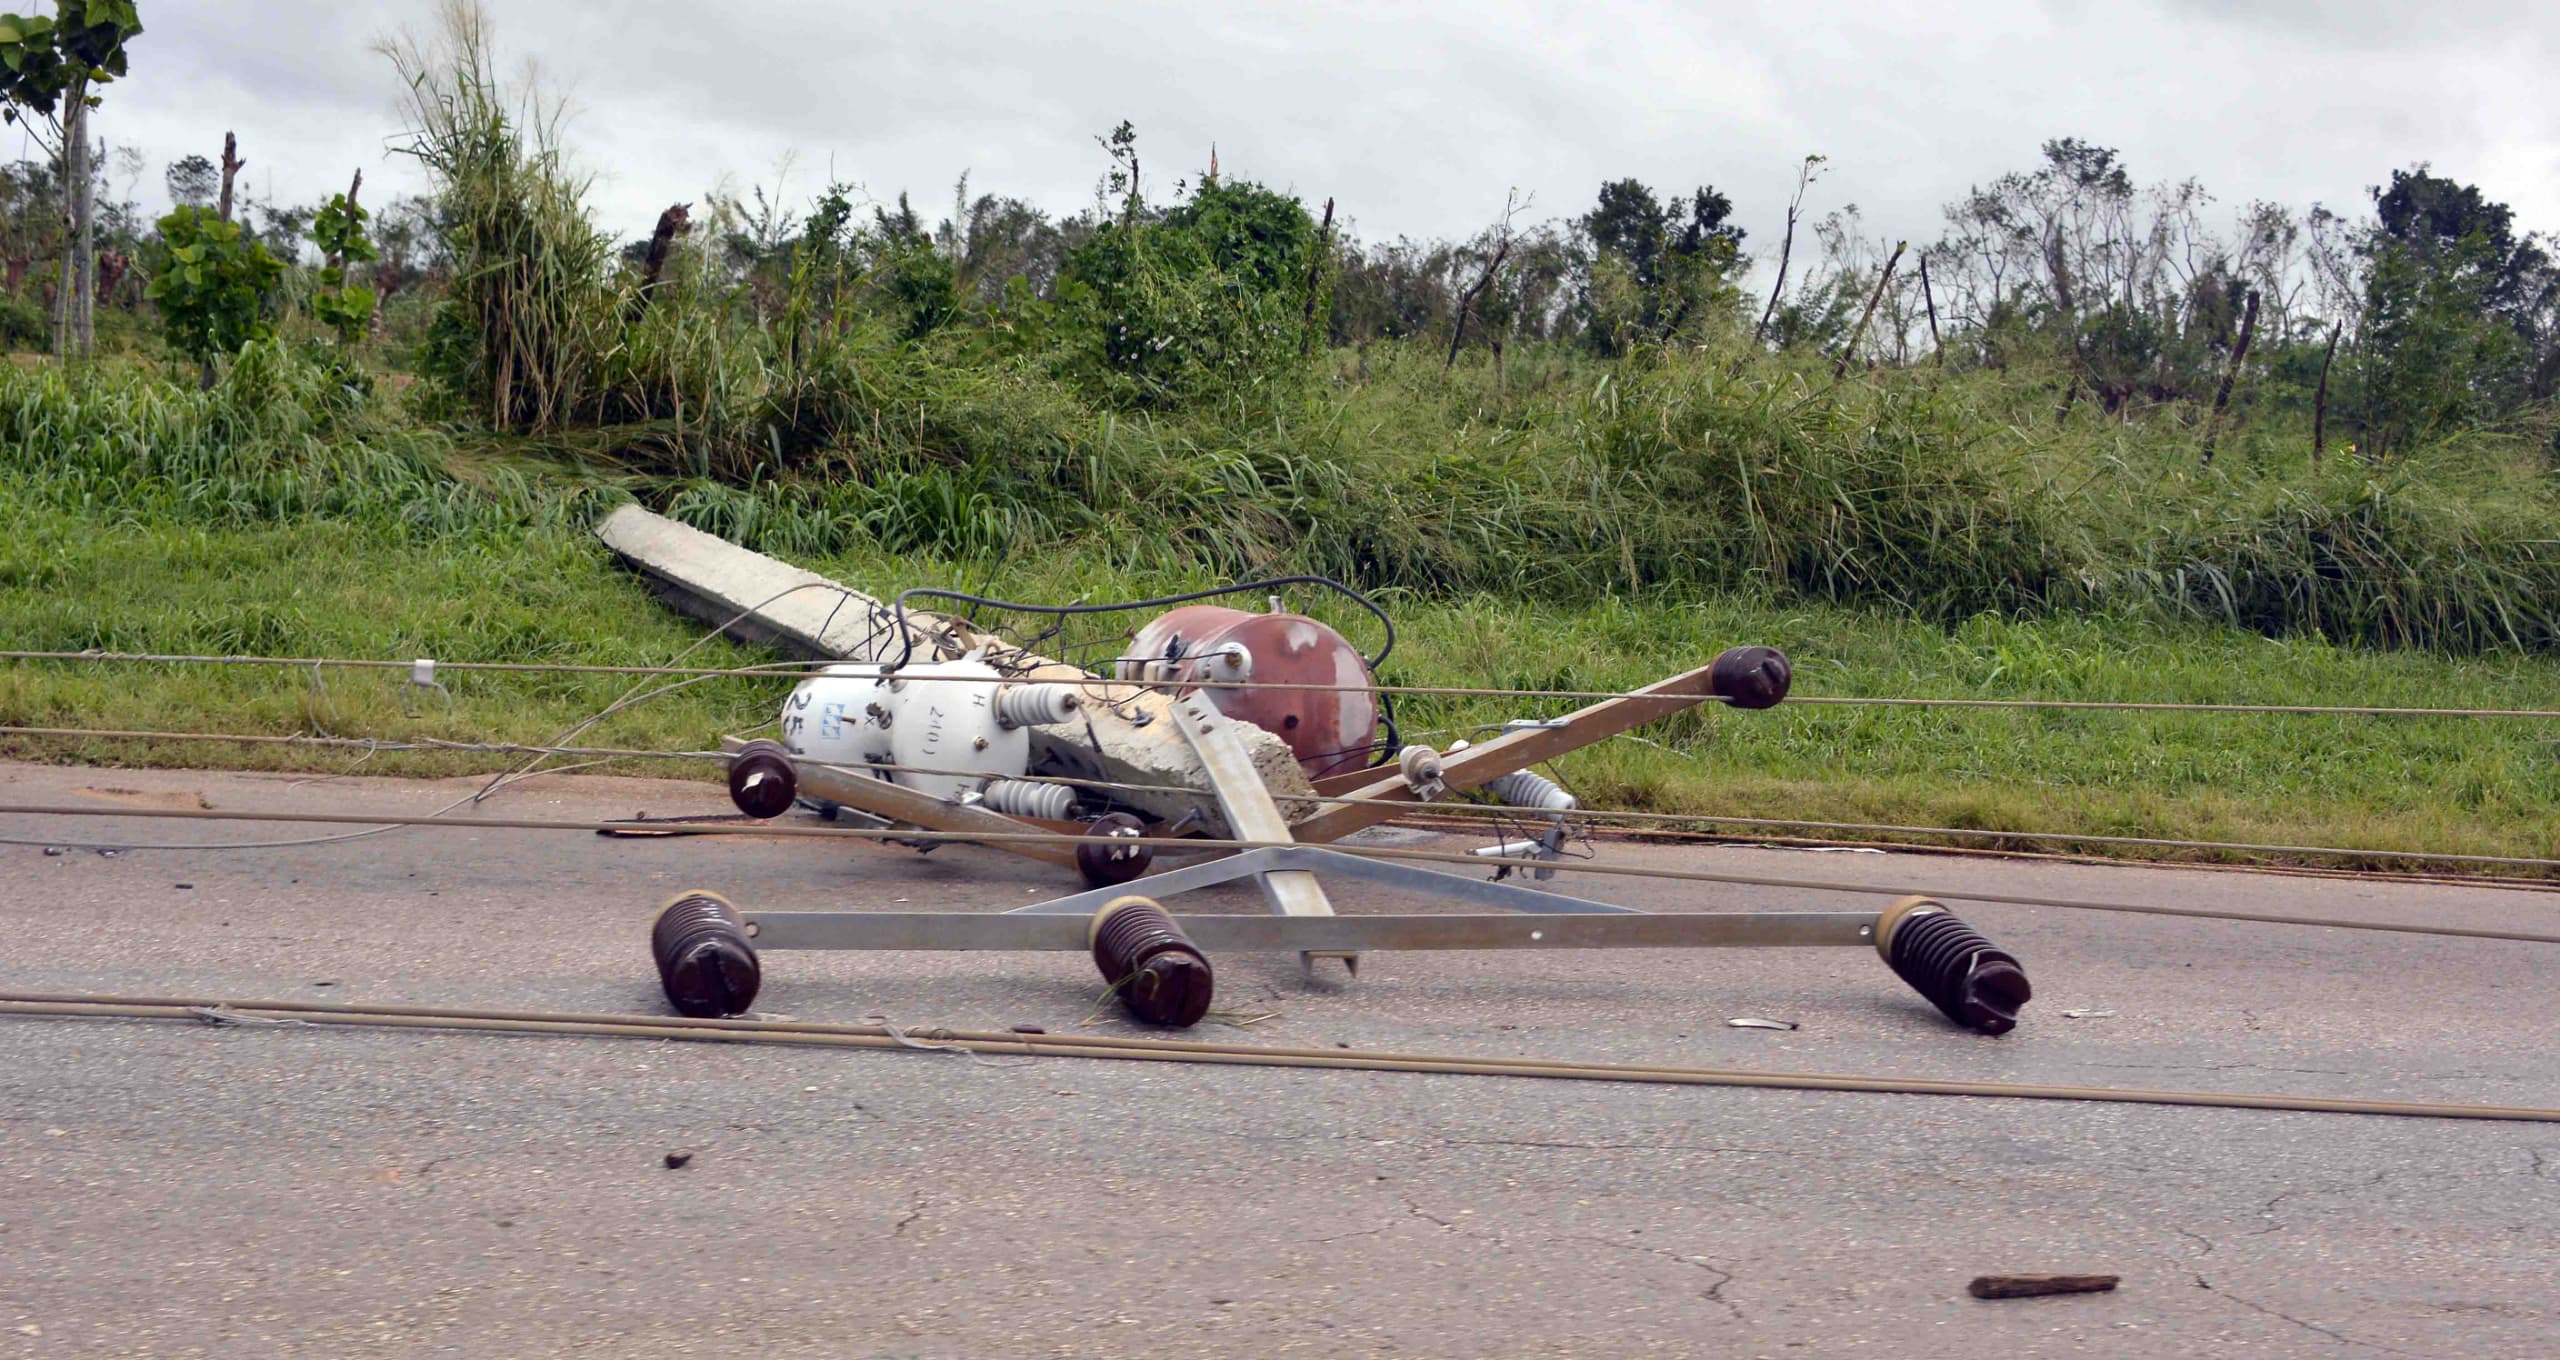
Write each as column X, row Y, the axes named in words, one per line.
column 1253, row 816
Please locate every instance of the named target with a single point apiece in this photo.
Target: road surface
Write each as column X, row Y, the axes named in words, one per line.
column 180, row 1190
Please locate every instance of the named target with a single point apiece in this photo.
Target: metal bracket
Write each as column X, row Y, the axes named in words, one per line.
column 1251, row 815
column 1065, row 933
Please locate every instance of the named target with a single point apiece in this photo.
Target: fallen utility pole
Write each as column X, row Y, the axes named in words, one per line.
column 1128, row 736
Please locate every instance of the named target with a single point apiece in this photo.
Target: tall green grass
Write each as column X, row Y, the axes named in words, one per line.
column 1942, row 496
column 282, row 439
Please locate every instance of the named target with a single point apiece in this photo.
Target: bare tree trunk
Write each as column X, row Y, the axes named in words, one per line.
column 1467, row 300
column 2320, row 402
column 75, row 175
column 231, row 167
column 1786, row 249
column 1315, row 275
column 1936, row 346
column 231, row 164
column 1859, row 332
column 675, row 222
column 355, row 186
column 2239, row 353
column 86, row 290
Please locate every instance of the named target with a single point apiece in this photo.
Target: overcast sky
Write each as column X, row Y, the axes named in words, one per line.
column 1416, row 117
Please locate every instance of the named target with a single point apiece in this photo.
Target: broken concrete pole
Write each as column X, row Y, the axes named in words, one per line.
column 1130, row 737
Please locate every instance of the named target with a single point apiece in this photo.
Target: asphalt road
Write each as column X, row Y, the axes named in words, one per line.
column 173, row 1189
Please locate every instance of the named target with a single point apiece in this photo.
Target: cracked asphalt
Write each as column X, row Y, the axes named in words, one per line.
column 177, row 1190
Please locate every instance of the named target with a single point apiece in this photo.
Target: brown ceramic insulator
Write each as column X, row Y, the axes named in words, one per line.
column 704, row 959
column 1750, row 677
column 1973, row 982
column 762, row 782
column 1160, row 975
column 1105, row 864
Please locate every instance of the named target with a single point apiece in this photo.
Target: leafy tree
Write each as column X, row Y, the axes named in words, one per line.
column 50, row 66
column 920, row 284
column 31, row 217
column 2451, row 312
column 210, row 284
column 1654, row 265
column 191, row 181
column 1205, row 299
column 344, row 307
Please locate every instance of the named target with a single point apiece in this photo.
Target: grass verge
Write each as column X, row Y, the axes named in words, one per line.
column 330, row 587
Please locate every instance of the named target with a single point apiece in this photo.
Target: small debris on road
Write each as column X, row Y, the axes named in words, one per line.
column 2088, row 1015
column 53, row 850
column 1026, row 1029
column 676, row 1160
column 2035, row 1286
column 1755, row 1022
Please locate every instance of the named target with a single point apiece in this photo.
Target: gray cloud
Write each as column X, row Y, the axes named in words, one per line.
column 1416, row 117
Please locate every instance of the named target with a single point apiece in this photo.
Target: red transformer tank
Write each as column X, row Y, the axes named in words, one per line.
column 1330, row 731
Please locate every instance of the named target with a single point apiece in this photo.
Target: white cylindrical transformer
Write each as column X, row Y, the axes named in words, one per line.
column 943, row 719
column 829, row 717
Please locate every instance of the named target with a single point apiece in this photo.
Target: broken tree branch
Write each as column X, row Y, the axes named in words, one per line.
column 2231, row 371
column 2320, row 403
column 354, row 187
column 1937, row 348
column 1859, row 333
column 1467, row 301
column 1511, row 206
column 675, row 222
column 1805, row 174
column 1315, row 275
column 2036, row 1286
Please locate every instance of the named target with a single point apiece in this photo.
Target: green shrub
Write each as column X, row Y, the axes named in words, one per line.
column 209, row 282
column 23, row 324
column 1206, row 303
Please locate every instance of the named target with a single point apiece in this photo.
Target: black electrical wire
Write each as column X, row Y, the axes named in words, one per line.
column 899, row 605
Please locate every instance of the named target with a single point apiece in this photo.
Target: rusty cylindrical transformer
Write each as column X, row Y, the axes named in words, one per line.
column 1330, row 731
column 1159, row 974
column 705, row 961
column 1977, row 984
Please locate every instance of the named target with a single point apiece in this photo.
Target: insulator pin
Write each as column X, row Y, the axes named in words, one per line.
column 1420, row 766
column 1160, row 975
column 705, row 961
column 1026, row 798
column 1750, row 677
column 1106, row 863
column 1036, row 705
column 1532, row 790
column 762, row 780
column 1976, row 984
